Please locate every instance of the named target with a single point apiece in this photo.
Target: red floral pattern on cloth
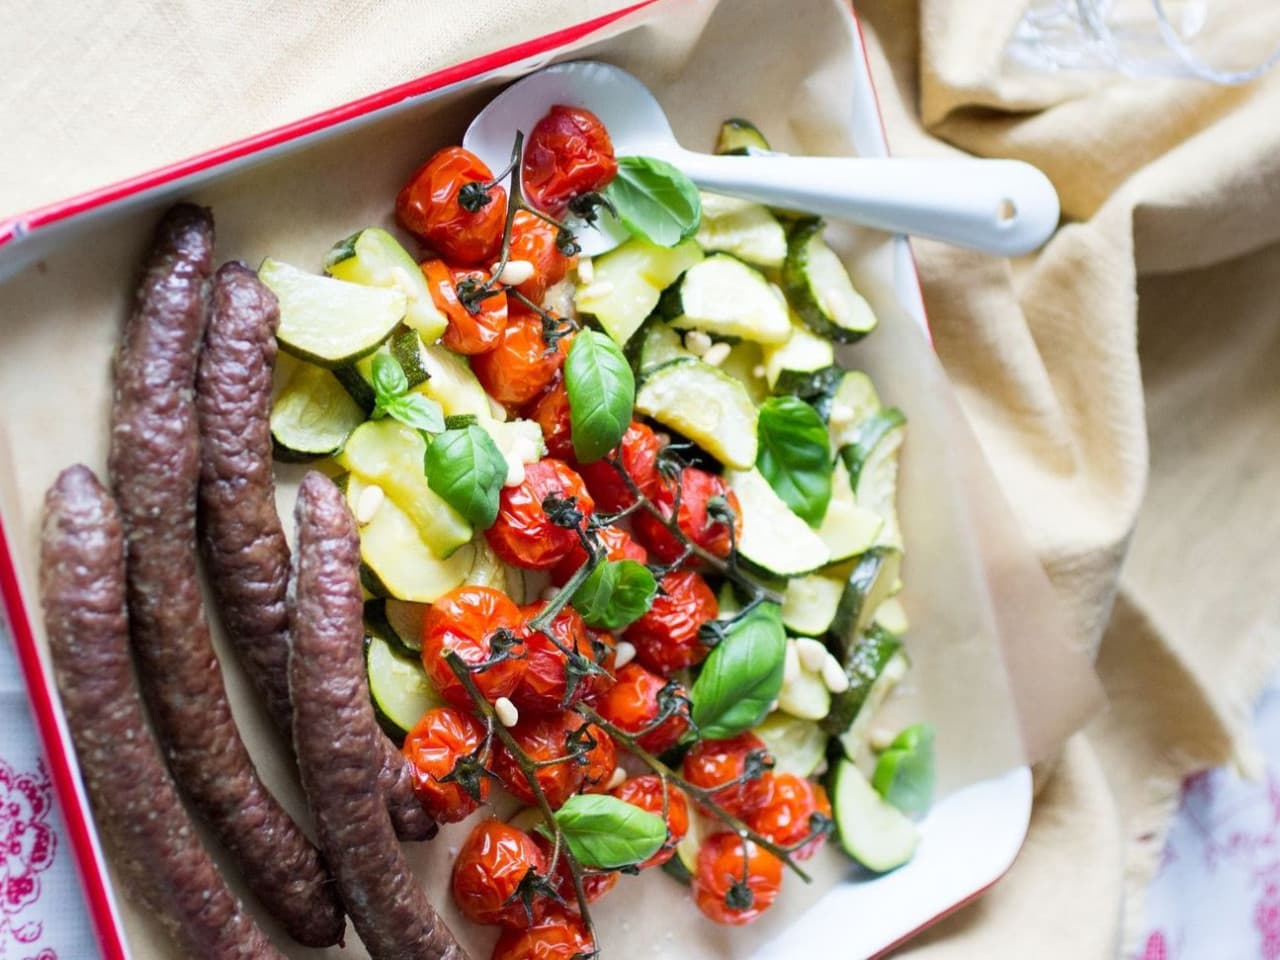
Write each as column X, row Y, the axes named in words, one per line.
column 1217, row 891
column 27, row 847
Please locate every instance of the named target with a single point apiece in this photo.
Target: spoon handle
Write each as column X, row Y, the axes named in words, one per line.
column 1004, row 207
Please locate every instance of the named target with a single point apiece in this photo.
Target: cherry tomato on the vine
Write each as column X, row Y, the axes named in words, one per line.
column 723, row 767
column 602, row 759
column 735, row 880
column 543, row 738
column 666, row 637
column 523, row 534
column 696, row 488
column 594, row 884
column 543, row 683
column 551, row 410
column 617, row 544
column 433, row 748
column 488, row 870
column 464, row 621
column 559, row 935
column 534, row 240
column 784, row 816
column 569, row 153
column 638, row 453
column 468, row 332
column 633, row 703
column 521, row 365
column 429, row 208
column 646, row 793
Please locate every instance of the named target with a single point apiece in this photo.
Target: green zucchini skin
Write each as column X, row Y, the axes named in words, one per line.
column 864, row 662
column 739, row 137
column 806, row 254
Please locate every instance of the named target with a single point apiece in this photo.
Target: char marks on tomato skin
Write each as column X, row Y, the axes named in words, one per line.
column 242, row 537
column 336, row 737
column 143, row 821
column 155, row 467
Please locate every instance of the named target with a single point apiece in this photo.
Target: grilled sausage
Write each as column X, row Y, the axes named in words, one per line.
column 335, row 735
column 154, row 463
column 82, row 588
column 244, row 545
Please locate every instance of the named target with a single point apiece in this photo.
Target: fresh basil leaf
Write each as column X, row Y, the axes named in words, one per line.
column 605, row 833
column 467, row 470
column 742, row 676
column 389, row 380
column 904, row 773
column 602, row 393
column 655, row 200
column 795, row 456
column 615, row 594
column 415, row 410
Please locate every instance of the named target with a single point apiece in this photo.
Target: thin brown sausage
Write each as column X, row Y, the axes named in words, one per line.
column 154, row 463
column 336, row 735
column 82, row 588
column 245, row 549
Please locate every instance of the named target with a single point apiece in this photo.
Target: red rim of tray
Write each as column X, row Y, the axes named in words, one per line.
column 62, row 766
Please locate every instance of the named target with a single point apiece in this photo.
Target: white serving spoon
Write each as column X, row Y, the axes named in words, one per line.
column 1000, row 206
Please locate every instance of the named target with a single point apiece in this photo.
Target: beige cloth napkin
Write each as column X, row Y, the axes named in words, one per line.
column 1136, row 355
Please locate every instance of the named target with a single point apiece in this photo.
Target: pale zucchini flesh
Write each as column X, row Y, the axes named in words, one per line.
column 399, row 687
column 330, row 322
column 798, row 746
column 809, row 604
column 707, row 406
column 805, row 695
column 848, row 528
column 745, row 229
column 312, row 415
column 773, row 538
column 724, row 297
column 803, row 351
column 854, row 402
column 375, row 258
column 870, row 830
column 820, row 290
column 628, row 281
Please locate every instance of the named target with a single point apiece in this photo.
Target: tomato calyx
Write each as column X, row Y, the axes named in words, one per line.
column 471, row 770
column 533, row 889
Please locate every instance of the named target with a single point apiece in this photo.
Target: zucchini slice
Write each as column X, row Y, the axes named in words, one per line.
column 330, row 322
column 870, row 830
column 398, row 622
column 798, row 746
column 397, row 561
column 872, row 461
column 809, row 604
column 874, row 577
column 489, row 571
column 804, row 352
column 374, row 258
column 738, row 136
column 724, row 297
column 854, row 402
column 312, row 415
column 874, row 667
column 657, row 345
column 773, row 538
column 745, row 229
column 707, row 406
column 745, row 363
column 892, row 616
column 684, row 864
column 391, row 454
column 628, row 281
column 399, row 687
column 814, row 387
column 820, row 290
column 848, row 528
column 805, row 696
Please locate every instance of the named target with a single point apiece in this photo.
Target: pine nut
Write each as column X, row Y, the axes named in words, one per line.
column 515, row 272
column 618, row 778
column 717, row 355
column 515, row 474
column 586, row 270
column 791, row 664
column 812, row 654
column 758, row 371
column 697, row 342
column 833, row 675
column 623, row 654
column 507, row 713
column 371, row 498
column 841, row 414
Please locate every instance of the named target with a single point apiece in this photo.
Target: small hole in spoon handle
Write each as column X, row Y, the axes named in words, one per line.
column 1006, row 212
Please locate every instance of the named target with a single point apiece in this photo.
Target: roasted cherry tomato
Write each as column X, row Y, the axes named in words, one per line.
column 784, row 817
column 433, row 748
column 464, row 621
column 542, row 684
column 551, row 410
column 523, row 534
column 594, row 885
column 569, row 153
column 696, row 488
column 719, row 889
column 549, row 737
column 521, row 365
column 534, row 241
column 638, row 453
column 559, row 935
column 722, row 767
column 602, row 759
column 429, row 208
column 488, row 871
column 666, row 637
column 617, row 544
column 469, row 332
column 633, row 703
column 646, row 793
column 605, row 646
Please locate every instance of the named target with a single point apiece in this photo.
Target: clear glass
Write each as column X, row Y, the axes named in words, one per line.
column 1223, row 41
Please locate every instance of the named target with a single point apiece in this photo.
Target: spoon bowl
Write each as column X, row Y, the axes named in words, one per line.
column 1004, row 207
